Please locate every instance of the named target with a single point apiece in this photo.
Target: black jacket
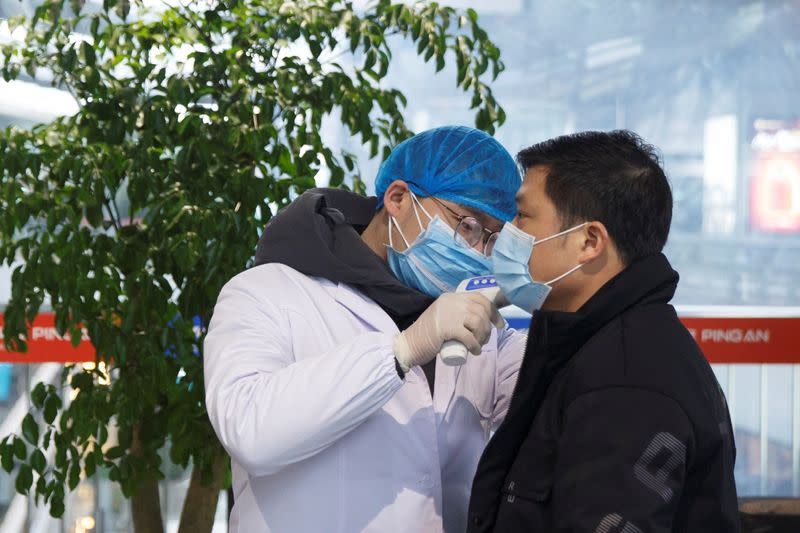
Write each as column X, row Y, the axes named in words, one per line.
column 617, row 423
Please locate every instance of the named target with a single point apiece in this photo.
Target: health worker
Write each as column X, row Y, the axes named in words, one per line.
column 322, row 380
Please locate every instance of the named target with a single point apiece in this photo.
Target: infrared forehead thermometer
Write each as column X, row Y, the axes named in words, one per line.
column 454, row 353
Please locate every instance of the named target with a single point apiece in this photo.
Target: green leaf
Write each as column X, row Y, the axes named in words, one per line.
column 482, row 119
column 38, row 395
column 370, row 61
column 20, row 450
column 476, row 100
column 501, row 116
column 95, row 25
column 355, row 34
column 38, row 461
column 440, row 62
column 423, row 43
column 285, row 162
column 123, row 8
column 74, row 475
column 416, row 29
column 41, row 488
column 51, row 407
column 7, row 458
column 115, row 452
column 315, row 46
column 87, row 54
column 90, row 465
column 30, row 429
column 61, row 453
column 24, row 479
column 77, row 5
column 57, row 506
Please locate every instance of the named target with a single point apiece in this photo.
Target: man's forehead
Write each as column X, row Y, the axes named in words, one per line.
column 532, row 186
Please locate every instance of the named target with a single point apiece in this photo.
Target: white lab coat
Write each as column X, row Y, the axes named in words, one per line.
column 302, row 390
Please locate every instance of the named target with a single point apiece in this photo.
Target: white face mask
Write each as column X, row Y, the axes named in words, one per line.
column 510, row 259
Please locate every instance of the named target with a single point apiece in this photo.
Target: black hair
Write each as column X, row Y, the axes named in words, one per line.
column 613, row 177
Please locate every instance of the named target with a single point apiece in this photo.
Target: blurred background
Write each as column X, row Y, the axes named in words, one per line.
column 715, row 84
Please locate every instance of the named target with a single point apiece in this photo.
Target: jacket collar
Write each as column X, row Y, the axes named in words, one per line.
column 647, row 280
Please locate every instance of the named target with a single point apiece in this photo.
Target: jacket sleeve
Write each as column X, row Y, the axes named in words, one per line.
column 270, row 407
column 622, row 462
column 510, row 349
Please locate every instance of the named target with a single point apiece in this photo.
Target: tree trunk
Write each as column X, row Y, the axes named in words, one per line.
column 146, row 502
column 146, row 508
column 200, row 506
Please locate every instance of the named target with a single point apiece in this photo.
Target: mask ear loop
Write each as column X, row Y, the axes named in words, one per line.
column 557, row 235
column 564, row 275
column 570, row 271
column 416, row 203
column 396, row 225
column 392, row 220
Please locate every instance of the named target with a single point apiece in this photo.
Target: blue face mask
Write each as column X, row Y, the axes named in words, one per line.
column 510, row 258
column 434, row 263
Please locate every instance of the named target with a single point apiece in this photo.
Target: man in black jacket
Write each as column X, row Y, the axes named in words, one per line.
column 617, row 423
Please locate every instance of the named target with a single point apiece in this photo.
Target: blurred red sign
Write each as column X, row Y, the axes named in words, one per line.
column 775, row 176
column 747, row 340
column 723, row 340
column 775, row 192
column 45, row 345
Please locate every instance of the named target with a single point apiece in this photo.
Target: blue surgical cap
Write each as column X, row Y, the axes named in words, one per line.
column 456, row 163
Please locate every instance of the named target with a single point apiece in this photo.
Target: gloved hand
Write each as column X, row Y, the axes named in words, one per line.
column 464, row 317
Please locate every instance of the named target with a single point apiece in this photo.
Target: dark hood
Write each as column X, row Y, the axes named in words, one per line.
column 319, row 234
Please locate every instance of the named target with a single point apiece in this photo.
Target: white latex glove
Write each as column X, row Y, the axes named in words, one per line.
column 464, row 317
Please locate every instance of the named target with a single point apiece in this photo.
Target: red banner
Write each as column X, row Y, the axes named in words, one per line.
column 723, row 340
column 45, row 345
column 747, row 340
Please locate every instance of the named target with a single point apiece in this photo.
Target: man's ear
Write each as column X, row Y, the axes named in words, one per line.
column 596, row 242
column 395, row 197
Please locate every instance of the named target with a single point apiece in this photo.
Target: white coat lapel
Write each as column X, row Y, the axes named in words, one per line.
column 444, row 387
column 365, row 309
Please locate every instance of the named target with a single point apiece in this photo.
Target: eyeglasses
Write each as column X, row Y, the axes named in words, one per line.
column 469, row 231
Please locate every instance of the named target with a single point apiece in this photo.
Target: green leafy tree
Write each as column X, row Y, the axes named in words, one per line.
column 195, row 123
